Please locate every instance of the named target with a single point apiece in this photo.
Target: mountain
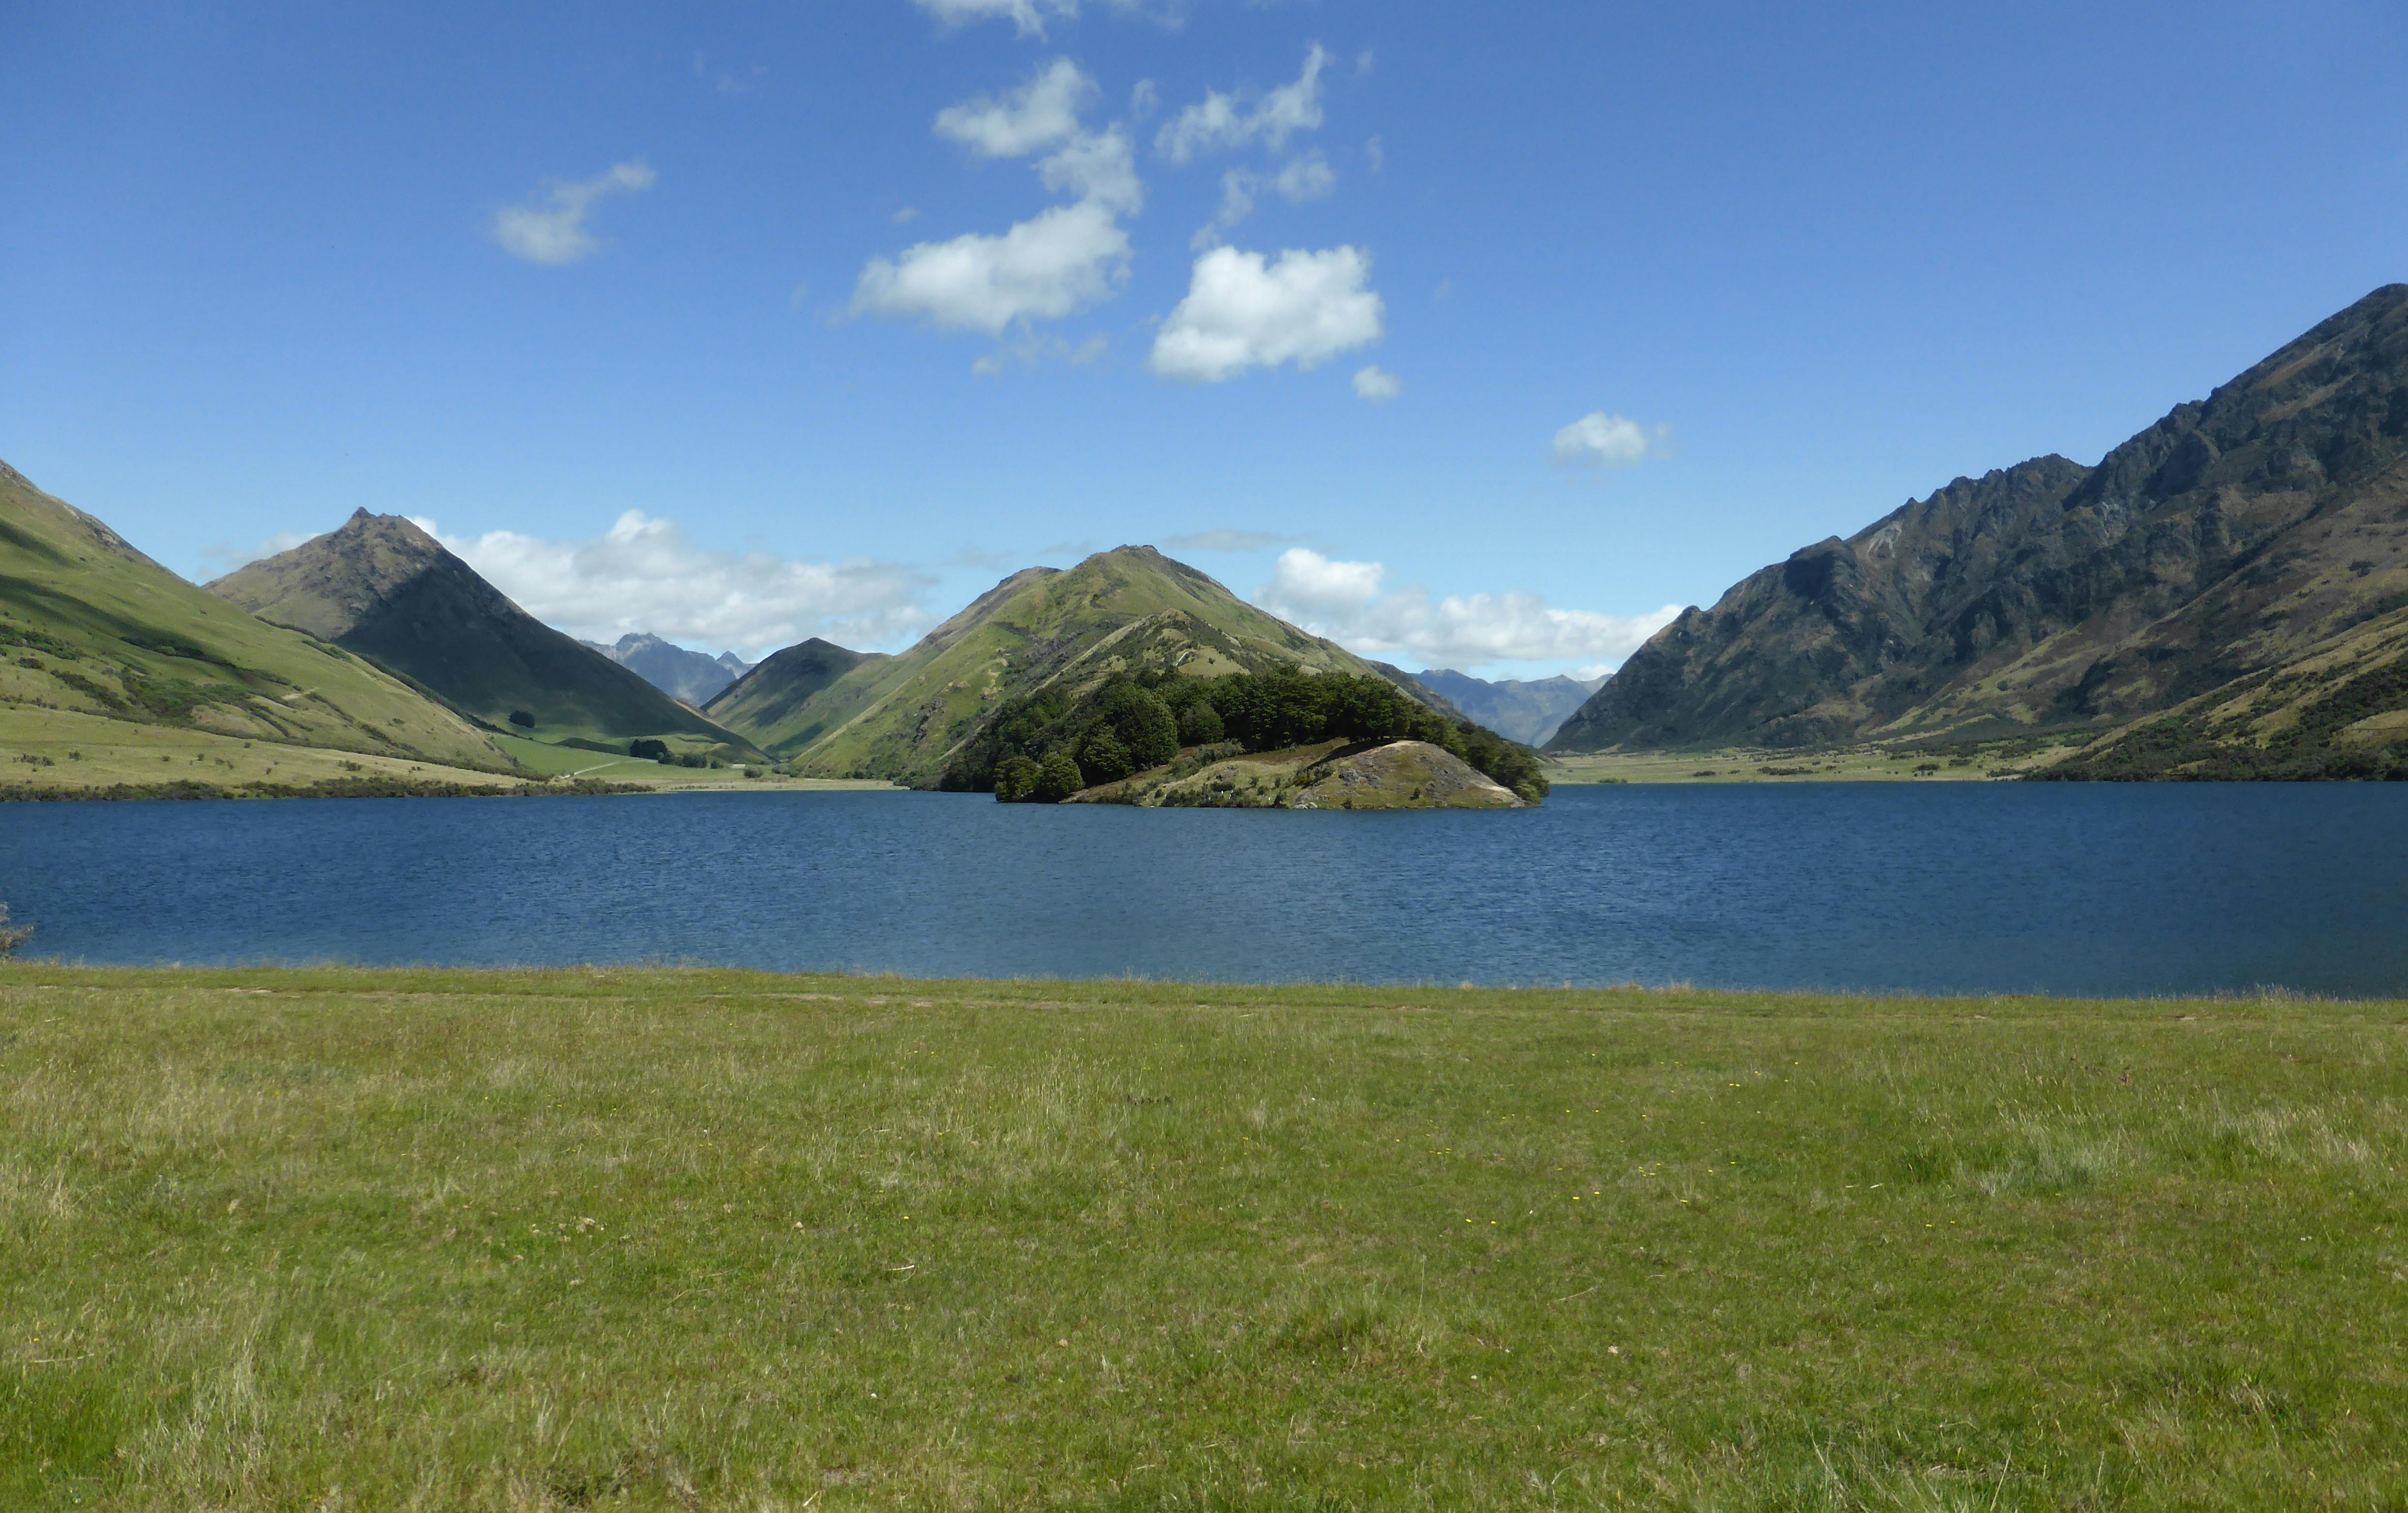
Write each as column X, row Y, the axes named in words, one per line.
column 2239, row 535
column 688, row 677
column 383, row 589
column 1528, row 712
column 903, row 717
column 92, row 628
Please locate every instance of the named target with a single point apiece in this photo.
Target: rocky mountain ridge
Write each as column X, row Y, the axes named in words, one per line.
column 2231, row 538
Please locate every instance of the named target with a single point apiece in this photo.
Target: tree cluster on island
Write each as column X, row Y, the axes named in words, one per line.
column 1052, row 744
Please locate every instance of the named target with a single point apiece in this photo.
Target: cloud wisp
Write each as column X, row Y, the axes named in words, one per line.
column 1219, row 123
column 1350, row 602
column 552, row 229
column 1242, row 312
column 1224, row 539
column 1375, row 383
column 646, row 575
column 1057, row 263
column 1598, row 440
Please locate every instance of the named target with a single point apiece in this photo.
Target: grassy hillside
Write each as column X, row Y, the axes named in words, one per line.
column 383, row 589
column 99, row 641
column 2337, row 711
column 904, row 718
column 709, row 1240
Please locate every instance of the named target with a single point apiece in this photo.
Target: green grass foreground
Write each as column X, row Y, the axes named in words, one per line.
column 700, row 1239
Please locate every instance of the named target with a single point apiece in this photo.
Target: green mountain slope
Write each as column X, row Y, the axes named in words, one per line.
column 385, row 590
column 2229, row 539
column 93, row 628
column 769, row 700
column 1131, row 610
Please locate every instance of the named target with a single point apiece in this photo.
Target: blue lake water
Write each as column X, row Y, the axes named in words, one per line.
column 1952, row 887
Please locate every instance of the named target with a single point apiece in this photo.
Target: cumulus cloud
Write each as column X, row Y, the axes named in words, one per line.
column 1222, row 121
column 1241, row 313
column 552, row 229
column 1598, row 440
column 1376, row 382
column 1350, row 602
column 1055, row 263
column 645, row 575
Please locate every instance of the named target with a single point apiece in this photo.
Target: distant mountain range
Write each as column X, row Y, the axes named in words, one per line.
column 690, row 677
column 2224, row 594
column 385, row 589
column 839, row 713
column 1528, row 712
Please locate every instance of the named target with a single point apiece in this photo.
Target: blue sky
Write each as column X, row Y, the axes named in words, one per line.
column 715, row 320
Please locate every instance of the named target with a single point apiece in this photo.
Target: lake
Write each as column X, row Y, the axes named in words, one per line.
column 1941, row 888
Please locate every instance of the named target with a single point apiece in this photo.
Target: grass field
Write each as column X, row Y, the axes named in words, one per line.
column 687, row 1239
column 1852, row 765
column 66, row 752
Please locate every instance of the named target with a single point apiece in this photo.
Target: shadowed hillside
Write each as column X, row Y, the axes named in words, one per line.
column 2237, row 534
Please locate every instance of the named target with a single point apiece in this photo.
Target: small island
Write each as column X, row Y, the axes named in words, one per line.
column 1279, row 738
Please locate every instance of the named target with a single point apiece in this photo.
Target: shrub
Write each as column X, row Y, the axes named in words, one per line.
column 657, row 750
column 1058, row 779
column 1016, row 779
column 12, row 935
column 521, row 719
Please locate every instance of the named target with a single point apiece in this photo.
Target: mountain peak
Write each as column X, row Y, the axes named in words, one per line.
column 382, row 587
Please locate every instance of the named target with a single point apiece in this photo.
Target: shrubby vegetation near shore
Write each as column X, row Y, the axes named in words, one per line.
column 1045, row 747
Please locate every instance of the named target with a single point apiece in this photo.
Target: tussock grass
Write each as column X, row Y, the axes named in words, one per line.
column 700, row 1239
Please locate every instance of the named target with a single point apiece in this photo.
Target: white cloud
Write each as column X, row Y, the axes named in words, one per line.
column 1038, row 114
column 1222, row 121
column 1601, row 440
column 1349, row 603
column 1054, row 264
column 1376, row 382
column 645, row 575
column 553, row 230
column 1240, row 313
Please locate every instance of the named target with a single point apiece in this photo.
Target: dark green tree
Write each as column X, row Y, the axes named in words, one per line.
column 1103, row 758
column 1201, row 724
